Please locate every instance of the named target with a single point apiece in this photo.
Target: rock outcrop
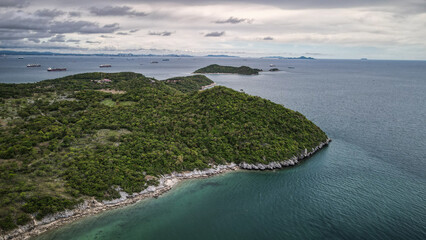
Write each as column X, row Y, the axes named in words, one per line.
column 285, row 163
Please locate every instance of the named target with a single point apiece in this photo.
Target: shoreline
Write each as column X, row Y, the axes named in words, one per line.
column 194, row 73
column 166, row 182
column 205, row 87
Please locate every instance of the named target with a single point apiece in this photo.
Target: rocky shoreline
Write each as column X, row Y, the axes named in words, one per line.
column 285, row 163
column 91, row 206
column 166, row 182
column 207, row 86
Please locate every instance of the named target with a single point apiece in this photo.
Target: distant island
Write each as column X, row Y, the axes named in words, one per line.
column 223, row 56
column 12, row 53
column 301, row 57
column 96, row 141
column 215, row 68
column 6, row 52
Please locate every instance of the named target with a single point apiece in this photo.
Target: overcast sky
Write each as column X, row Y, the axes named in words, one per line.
column 376, row 29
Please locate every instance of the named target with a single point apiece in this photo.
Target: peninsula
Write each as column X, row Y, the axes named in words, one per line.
column 215, row 68
column 75, row 145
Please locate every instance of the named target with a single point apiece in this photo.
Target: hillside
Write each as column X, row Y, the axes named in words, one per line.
column 214, row 68
column 64, row 140
column 189, row 83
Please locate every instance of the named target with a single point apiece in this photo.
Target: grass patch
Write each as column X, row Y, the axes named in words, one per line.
column 108, row 102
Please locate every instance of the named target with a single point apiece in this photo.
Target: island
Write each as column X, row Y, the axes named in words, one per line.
column 81, row 144
column 294, row 58
column 215, row 68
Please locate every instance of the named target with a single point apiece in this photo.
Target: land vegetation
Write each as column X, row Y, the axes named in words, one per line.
column 215, row 68
column 189, row 83
column 68, row 139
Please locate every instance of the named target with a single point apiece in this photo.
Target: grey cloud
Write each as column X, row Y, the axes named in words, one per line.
column 279, row 3
column 134, row 30
column 268, row 38
column 105, row 36
column 10, row 20
column 13, row 21
column 303, row 4
column 73, row 40
column 36, row 40
column 233, row 20
column 164, row 34
column 122, row 33
column 50, row 13
column 315, row 54
column 82, row 27
column 58, row 38
column 42, row 45
column 74, row 14
column 95, row 42
column 214, row 34
column 6, row 34
column 13, row 3
column 116, row 11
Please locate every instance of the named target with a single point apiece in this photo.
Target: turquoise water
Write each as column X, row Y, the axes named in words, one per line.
column 370, row 183
column 324, row 198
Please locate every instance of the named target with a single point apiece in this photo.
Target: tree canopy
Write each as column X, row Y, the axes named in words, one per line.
column 215, row 68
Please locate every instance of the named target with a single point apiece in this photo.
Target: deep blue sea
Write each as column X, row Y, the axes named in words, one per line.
column 370, row 183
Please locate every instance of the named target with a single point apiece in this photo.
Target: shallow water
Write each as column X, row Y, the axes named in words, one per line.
column 370, row 183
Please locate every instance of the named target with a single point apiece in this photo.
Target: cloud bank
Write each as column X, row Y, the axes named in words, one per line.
column 386, row 29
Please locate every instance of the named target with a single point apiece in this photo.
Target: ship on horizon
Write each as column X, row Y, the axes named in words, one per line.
column 33, row 65
column 56, row 69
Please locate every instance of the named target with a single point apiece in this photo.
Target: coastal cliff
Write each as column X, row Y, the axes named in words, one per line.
column 285, row 163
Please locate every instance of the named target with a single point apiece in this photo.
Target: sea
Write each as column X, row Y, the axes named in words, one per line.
column 369, row 183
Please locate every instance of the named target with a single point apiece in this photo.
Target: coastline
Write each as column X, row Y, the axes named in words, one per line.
column 166, row 182
column 205, row 87
column 218, row 73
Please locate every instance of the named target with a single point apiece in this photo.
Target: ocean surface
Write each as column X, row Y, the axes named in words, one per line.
column 370, row 183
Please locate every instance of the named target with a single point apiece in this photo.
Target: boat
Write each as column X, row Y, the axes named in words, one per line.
column 56, row 69
column 291, row 67
column 166, row 60
column 33, row 65
column 154, row 62
column 104, row 65
column 272, row 65
column 20, row 57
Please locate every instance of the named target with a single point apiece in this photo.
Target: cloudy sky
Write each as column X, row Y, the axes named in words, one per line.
column 379, row 29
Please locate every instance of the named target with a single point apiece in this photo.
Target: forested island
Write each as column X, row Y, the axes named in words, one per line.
column 66, row 140
column 215, row 68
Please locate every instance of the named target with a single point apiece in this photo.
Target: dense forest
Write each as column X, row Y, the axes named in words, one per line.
column 214, row 68
column 67, row 139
